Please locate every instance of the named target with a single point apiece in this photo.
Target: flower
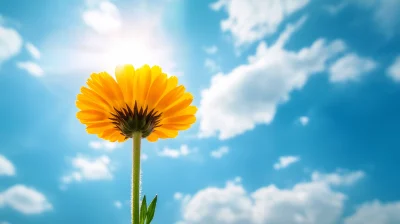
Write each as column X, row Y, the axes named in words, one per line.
column 144, row 100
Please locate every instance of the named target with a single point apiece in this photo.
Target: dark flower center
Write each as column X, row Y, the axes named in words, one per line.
column 129, row 121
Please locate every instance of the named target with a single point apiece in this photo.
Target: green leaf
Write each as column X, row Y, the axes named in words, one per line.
column 151, row 210
column 143, row 210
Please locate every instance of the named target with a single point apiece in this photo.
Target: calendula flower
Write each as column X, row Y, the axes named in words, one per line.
column 143, row 100
column 141, row 103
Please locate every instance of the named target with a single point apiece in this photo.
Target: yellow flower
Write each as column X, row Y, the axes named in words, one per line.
column 143, row 100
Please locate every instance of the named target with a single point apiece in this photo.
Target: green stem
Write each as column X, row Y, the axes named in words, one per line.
column 137, row 136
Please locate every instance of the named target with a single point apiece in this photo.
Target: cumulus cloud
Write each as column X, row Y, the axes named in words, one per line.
column 285, row 161
column 6, row 167
column 394, row 70
column 25, row 200
column 211, row 49
column 33, row 50
column 31, row 67
column 376, row 212
column 350, row 68
column 248, row 95
column 175, row 153
column 219, row 152
column 311, row 202
column 249, row 21
column 103, row 17
column 10, row 43
column 89, row 169
column 103, row 145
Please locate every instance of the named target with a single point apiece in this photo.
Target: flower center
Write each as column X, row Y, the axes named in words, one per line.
column 129, row 121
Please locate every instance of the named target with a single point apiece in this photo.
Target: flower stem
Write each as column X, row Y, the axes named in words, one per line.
column 137, row 136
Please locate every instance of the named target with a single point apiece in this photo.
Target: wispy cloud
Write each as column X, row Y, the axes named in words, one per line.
column 339, row 178
column 31, row 67
column 211, row 49
column 335, row 9
column 25, row 200
column 220, row 152
column 33, row 50
column 211, row 65
column 6, row 167
column 285, row 161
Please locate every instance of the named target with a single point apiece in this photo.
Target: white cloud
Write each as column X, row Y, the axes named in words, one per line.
column 6, row 167
column 394, row 70
column 304, row 120
column 118, row 204
column 285, row 161
column 89, row 169
column 248, row 95
column 312, row 202
column 219, row 152
column 175, row 153
column 33, row 50
column 376, row 212
column 340, row 178
column 211, row 50
column 249, row 21
column 25, row 200
column 103, row 145
column 31, row 67
column 350, row 68
column 211, row 65
column 10, row 43
column 103, row 17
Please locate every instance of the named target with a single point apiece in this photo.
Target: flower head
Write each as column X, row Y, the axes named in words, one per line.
column 143, row 100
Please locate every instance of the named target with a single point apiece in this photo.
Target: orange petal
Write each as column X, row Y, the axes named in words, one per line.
column 97, row 128
column 153, row 137
column 125, row 76
column 185, row 119
column 156, row 90
column 179, row 106
column 91, row 115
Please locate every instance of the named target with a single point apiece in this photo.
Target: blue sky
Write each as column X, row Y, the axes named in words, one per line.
column 298, row 117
